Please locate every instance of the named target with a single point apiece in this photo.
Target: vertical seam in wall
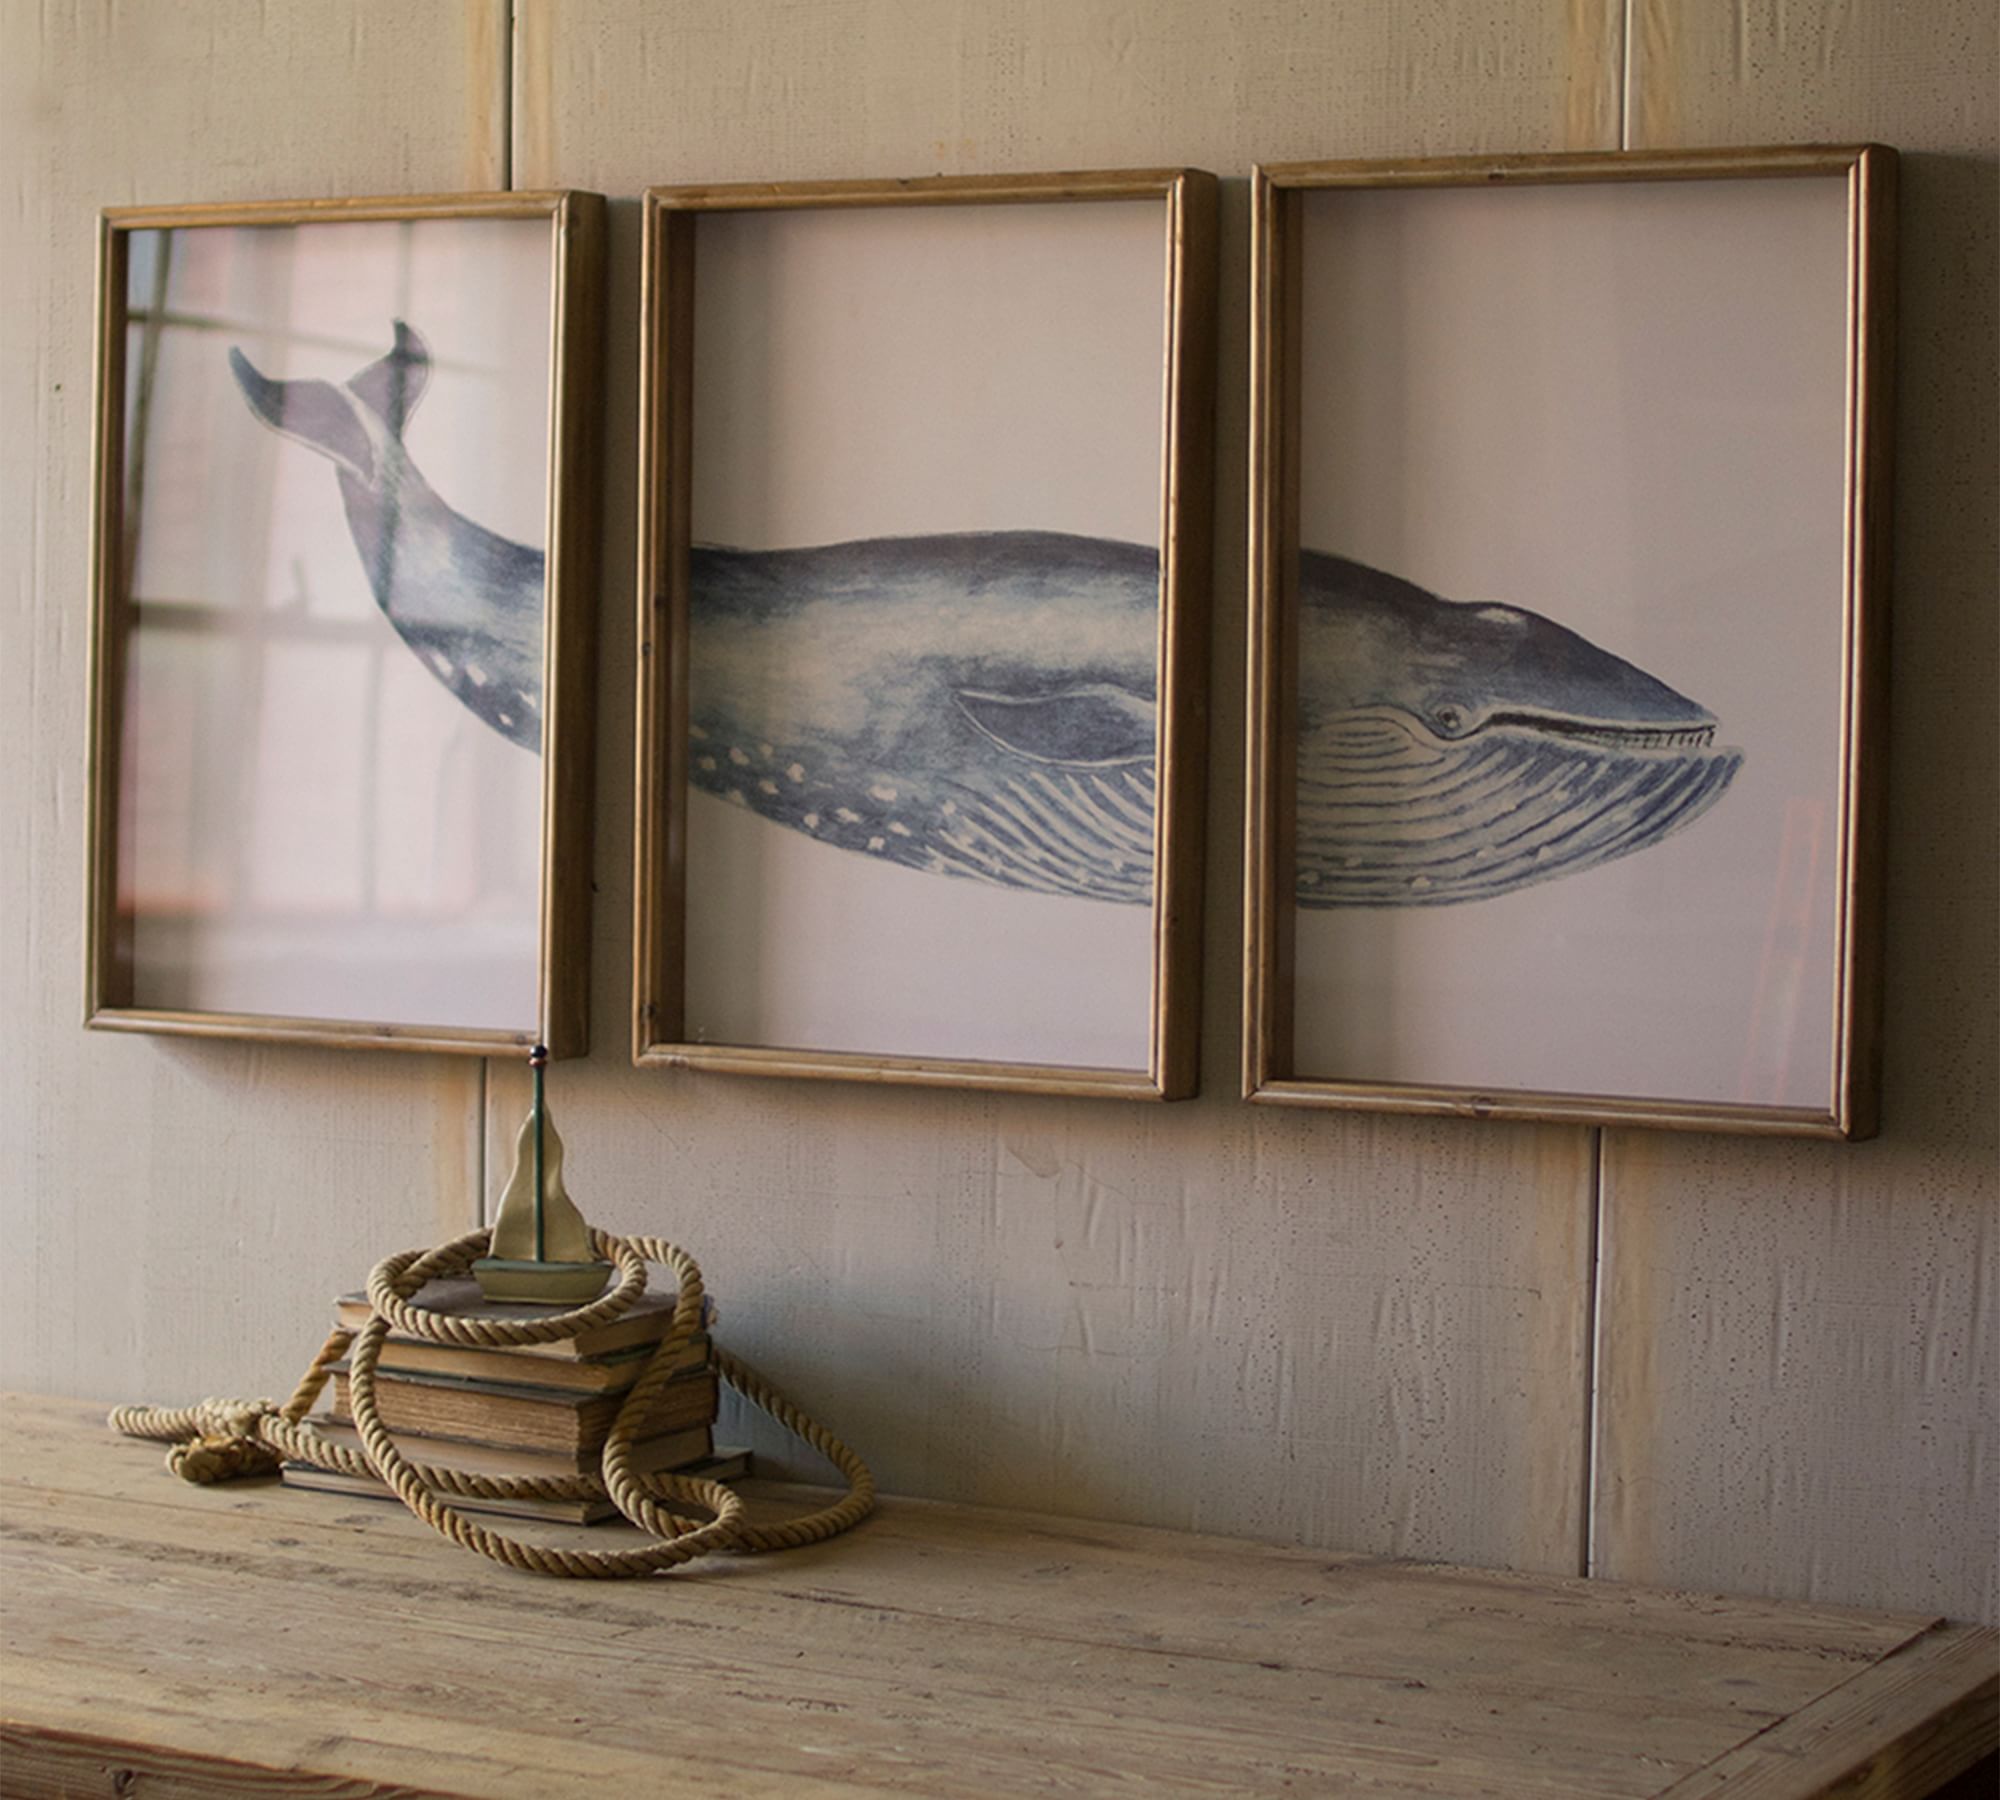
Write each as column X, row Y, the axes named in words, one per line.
column 1625, row 92
column 509, row 26
column 1592, row 1355
column 1595, row 1323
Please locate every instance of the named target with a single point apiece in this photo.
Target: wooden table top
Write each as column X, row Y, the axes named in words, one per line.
column 162, row 1638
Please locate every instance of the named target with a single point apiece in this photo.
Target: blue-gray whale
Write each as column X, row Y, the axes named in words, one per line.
column 983, row 705
column 979, row 705
column 1453, row 751
column 466, row 600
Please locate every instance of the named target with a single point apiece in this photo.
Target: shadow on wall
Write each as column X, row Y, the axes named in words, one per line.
column 1942, row 1060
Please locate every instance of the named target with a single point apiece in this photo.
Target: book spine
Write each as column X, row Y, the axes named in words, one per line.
column 514, row 1421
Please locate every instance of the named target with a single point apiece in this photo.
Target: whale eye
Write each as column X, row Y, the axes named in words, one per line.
column 1448, row 719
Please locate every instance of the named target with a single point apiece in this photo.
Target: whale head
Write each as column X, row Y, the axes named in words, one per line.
column 1451, row 752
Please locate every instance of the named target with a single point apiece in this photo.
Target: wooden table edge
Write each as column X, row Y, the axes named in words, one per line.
column 1929, row 1707
column 45, row 1760
column 1939, row 1695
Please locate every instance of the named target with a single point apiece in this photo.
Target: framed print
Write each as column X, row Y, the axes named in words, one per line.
column 1568, row 640
column 343, row 635
column 925, row 542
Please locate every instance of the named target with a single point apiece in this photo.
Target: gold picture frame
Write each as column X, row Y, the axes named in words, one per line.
column 855, row 233
column 1533, row 371
column 308, row 817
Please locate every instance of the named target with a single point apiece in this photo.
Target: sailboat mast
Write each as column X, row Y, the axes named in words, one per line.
column 538, row 1060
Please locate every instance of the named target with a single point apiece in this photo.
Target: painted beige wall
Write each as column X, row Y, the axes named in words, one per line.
column 1378, row 1334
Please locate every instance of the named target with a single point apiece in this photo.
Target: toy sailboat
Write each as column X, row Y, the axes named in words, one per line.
column 541, row 1249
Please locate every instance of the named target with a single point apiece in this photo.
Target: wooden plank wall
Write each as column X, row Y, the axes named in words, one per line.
column 176, row 1213
column 1801, row 1342
column 1377, row 1334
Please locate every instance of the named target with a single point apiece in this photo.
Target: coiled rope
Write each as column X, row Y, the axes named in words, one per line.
column 220, row 1439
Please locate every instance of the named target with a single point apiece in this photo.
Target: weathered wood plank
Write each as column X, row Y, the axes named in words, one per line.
column 1907, row 1725
column 70, row 1765
column 875, row 88
column 939, row 1650
column 179, row 1212
column 1797, row 1366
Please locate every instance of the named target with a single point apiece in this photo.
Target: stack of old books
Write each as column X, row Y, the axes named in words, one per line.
column 533, row 1409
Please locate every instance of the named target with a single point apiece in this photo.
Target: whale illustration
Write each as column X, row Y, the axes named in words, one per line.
column 466, row 600
column 979, row 705
column 983, row 705
column 1452, row 751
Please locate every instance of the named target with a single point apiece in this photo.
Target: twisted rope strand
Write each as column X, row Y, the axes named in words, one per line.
column 220, row 1439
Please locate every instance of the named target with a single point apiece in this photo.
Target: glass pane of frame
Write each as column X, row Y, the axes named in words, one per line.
column 927, row 543
column 340, row 617
column 1568, row 505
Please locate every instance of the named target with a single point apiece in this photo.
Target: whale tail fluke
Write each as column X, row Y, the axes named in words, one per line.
column 391, row 386
column 315, row 413
column 323, row 416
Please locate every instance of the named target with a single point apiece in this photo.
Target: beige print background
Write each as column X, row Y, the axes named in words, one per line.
column 1621, row 406
column 907, row 370
column 314, row 825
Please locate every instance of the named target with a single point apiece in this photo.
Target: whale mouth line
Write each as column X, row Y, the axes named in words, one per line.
column 1399, row 818
column 1595, row 731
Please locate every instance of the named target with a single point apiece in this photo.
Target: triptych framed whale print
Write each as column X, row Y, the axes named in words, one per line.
column 342, row 646
column 924, row 552
column 1569, row 567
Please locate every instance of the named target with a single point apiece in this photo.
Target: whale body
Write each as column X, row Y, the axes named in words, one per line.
column 980, row 705
column 984, row 705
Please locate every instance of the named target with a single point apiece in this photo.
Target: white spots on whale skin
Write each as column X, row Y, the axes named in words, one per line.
column 765, row 751
column 738, row 758
column 735, row 797
column 878, row 845
column 949, row 807
column 847, row 815
column 705, row 763
column 440, row 662
column 1420, row 882
column 767, row 787
column 899, row 828
column 1502, row 615
column 699, row 735
column 796, row 773
column 882, row 791
column 477, row 675
column 810, row 821
column 1308, row 878
column 507, row 719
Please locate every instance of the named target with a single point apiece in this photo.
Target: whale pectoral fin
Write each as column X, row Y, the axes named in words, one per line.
column 315, row 412
column 1095, row 727
column 392, row 385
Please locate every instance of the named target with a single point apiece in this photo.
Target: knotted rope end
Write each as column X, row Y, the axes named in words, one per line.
column 208, row 1460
